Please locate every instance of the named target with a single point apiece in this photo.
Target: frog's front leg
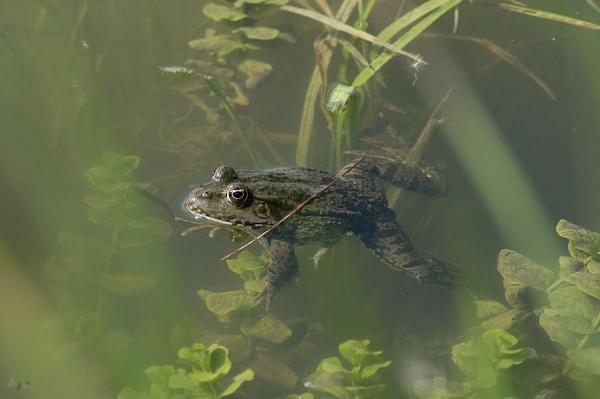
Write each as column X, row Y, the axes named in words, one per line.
column 283, row 266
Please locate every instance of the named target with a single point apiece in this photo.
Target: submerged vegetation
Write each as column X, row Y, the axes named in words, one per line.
column 121, row 289
column 510, row 354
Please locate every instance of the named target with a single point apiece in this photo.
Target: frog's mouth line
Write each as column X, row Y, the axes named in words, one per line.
column 200, row 218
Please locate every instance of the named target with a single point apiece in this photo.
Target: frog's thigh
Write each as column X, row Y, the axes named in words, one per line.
column 282, row 267
column 420, row 178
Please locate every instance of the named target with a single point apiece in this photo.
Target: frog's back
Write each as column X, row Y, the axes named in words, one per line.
column 330, row 214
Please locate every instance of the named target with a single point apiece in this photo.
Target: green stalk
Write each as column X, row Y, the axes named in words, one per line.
column 367, row 73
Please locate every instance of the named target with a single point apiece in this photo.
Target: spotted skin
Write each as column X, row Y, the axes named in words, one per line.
column 355, row 204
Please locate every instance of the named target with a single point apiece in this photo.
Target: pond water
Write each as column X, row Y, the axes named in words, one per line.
column 96, row 286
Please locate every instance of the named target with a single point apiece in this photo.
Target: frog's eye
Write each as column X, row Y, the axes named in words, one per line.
column 237, row 195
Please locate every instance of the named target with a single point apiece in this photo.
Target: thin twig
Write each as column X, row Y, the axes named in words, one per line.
column 294, row 211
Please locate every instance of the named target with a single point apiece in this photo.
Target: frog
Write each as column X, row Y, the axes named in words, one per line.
column 354, row 203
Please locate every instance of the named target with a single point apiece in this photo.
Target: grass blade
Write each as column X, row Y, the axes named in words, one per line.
column 312, row 92
column 229, row 109
column 367, row 73
column 342, row 27
column 407, row 19
column 547, row 15
column 210, row 82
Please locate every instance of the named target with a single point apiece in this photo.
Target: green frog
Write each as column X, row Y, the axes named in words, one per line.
column 354, row 204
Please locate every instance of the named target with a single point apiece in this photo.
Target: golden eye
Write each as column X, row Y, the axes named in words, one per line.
column 237, row 195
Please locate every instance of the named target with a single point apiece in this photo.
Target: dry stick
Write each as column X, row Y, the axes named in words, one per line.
column 294, row 211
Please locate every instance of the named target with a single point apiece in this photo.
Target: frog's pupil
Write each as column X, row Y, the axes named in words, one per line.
column 237, row 194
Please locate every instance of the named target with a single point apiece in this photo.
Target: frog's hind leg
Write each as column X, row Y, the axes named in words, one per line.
column 283, row 266
column 421, row 178
column 387, row 241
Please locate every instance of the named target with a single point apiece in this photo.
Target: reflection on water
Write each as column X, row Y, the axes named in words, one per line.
column 95, row 288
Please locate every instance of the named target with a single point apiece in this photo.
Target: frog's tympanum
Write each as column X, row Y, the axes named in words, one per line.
column 355, row 204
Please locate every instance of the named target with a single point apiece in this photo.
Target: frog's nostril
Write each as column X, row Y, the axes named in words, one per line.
column 205, row 194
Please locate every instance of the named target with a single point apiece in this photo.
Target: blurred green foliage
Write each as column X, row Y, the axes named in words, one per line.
column 512, row 341
column 203, row 380
column 358, row 379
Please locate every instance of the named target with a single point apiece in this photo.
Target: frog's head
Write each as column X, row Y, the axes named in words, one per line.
column 228, row 200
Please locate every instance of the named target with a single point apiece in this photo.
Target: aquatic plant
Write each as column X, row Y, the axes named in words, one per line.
column 369, row 60
column 265, row 343
column 544, row 306
column 358, row 380
column 87, row 277
column 203, row 379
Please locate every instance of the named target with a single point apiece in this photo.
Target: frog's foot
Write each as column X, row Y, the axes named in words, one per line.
column 387, row 241
column 282, row 267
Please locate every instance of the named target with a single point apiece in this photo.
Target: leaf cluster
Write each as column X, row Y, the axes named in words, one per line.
column 353, row 376
column 83, row 272
column 203, row 379
column 545, row 307
column 267, row 344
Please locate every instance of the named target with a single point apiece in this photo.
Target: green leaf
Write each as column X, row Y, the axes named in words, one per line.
column 114, row 168
column 557, row 331
column 368, row 391
column 505, row 320
column 228, row 305
column 520, row 356
column 331, row 365
column 499, row 340
column 219, row 43
column 84, row 244
column 268, row 328
column 142, row 233
column 588, row 359
column 181, row 380
column 487, row 309
column 356, row 351
column 238, row 380
column 372, row 369
column 581, row 239
column 258, row 32
column 518, row 270
column 570, row 321
column 209, row 364
column 338, row 97
column 218, row 12
column 128, row 284
column 587, row 282
column 274, row 371
column 129, row 393
column 569, row 266
column 255, row 286
column 248, row 266
column 237, row 345
column 575, row 302
column 256, row 72
column 214, row 364
column 159, row 377
column 593, row 266
column 329, row 383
